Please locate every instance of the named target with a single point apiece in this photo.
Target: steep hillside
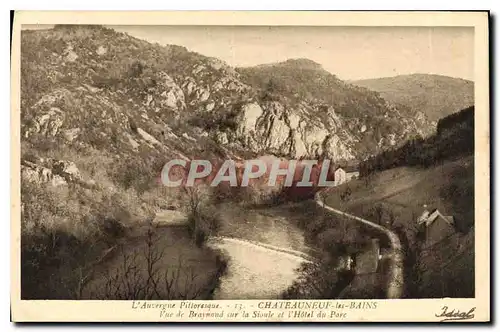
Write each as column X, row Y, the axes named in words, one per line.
column 93, row 87
column 99, row 118
column 108, row 90
column 433, row 173
column 454, row 138
column 396, row 197
column 434, row 95
column 312, row 104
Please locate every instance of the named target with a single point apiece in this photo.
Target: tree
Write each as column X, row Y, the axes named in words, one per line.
column 271, row 90
column 203, row 218
column 136, row 69
column 141, row 275
column 318, row 280
column 377, row 213
column 391, row 218
column 346, row 195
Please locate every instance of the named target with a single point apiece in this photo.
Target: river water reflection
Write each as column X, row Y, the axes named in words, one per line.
column 254, row 271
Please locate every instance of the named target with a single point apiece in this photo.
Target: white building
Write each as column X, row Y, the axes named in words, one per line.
column 344, row 174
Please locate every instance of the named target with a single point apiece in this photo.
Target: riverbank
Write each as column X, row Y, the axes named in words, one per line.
column 257, row 253
column 298, row 227
column 389, row 279
column 255, row 271
column 265, row 249
column 333, row 238
column 158, row 263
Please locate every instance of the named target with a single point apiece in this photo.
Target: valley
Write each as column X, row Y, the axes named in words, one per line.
column 102, row 112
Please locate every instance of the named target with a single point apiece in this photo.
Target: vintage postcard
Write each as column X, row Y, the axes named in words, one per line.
column 250, row 167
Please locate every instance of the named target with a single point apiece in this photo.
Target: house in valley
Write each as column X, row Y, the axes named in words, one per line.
column 344, row 174
column 435, row 226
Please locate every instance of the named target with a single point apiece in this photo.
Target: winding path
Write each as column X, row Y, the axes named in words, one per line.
column 396, row 278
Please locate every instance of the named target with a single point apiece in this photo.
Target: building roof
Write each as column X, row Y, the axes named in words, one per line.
column 429, row 217
column 349, row 168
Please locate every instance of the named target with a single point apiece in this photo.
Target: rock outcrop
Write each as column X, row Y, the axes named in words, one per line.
column 47, row 122
column 34, row 173
column 54, row 172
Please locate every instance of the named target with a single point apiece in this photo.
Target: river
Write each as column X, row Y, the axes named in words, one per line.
column 265, row 248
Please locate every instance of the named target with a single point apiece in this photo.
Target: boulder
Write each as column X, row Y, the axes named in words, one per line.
column 47, row 123
column 210, row 106
column 101, row 50
column 146, row 136
column 221, row 138
column 69, row 54
column 71, row 134
column 172, row 95
column 33, row 173
column 66, row 169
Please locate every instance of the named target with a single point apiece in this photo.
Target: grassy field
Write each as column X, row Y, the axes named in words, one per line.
column 448, row 187
column 395, row 198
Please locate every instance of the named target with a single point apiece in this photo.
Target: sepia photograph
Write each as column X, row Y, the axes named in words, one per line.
column 303, row 167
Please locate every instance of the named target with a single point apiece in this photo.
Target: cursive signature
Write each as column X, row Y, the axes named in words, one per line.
column 455, row 314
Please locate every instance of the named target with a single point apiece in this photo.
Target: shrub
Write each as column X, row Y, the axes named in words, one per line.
column 63, row 230
column 203, row 223
column 203, row 217
column 140, row 275
column 138, row 172
column 319, row 280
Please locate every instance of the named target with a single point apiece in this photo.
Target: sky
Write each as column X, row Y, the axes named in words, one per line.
column 348, row 52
